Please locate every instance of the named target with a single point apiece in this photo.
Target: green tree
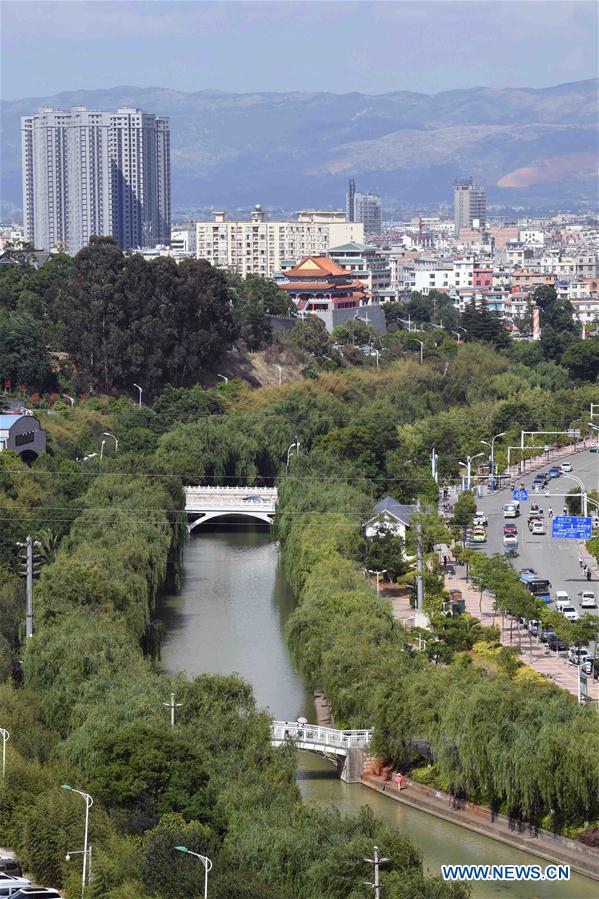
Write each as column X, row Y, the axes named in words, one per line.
column 582, row 359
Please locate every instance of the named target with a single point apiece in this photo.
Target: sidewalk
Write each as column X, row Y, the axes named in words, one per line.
column 554, row 668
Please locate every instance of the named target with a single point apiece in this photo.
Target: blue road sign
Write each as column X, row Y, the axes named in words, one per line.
column 573, row 527
column 520, row 495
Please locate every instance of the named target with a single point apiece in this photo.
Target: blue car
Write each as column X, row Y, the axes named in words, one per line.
column 554, row 472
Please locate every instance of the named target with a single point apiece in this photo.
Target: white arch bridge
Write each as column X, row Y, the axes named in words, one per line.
column 206, row 503
column 346, row 747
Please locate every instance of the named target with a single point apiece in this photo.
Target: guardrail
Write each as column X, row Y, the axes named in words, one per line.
column 321, row 736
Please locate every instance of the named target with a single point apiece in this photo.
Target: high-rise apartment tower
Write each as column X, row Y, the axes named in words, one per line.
column 365, row 208
column 469, row 205
column 95, row 173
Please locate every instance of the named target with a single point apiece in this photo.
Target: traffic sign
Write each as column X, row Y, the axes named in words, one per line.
column 573, row 527
column 520, row 495
column 574, row 432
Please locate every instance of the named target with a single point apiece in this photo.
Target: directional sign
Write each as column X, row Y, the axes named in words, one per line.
column 573, row 527
column 520, row 495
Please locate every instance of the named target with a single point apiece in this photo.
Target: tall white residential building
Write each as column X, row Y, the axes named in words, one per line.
column 470, row 206
column 91, row 173
column 262, row 247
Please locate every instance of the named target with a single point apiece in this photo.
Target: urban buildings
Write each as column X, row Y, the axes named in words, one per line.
column 91, row 173
column 470, row 206
column 364, row 208
column 263, row 247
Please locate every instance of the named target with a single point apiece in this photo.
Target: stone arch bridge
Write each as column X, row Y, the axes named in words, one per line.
column 203, row 504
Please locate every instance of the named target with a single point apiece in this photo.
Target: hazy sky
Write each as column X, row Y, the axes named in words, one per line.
column 367, row 46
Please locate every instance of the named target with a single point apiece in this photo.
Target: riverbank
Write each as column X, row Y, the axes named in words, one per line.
column 539, row 842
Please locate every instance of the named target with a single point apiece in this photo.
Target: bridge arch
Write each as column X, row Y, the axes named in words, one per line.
column 204, row 517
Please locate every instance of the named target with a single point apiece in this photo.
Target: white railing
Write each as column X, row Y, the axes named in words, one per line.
column 255, row 499
column 324, row 737
column 232, row 491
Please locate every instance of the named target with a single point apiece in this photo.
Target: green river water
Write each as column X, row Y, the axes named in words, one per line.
column 230, row 617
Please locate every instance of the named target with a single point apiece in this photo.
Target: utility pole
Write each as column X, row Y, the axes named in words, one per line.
column 376, row 862
column 419, row 578
column 29, row 572
column 172, row 705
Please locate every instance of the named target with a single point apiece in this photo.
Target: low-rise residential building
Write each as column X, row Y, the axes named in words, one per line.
column 389, row 517
column 260, row 246
column 23, row 435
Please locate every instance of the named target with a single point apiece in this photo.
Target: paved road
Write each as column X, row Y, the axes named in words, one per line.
column 555, row 559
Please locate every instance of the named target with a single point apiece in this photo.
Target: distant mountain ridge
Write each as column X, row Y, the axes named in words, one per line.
column 529, row 146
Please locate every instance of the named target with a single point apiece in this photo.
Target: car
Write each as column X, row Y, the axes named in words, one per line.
column 578, row 655
column 10, row 885
column 538, row 485
column 588, row 600
column 570, row 613
column 594, row 449
column 554, row 472
column 589, row 665
column 556, row 644
column 254, row 499
column 10, row 865
column 546, row 633
column 479, row 535
column 510, row 529
column 527, row 571
column 510, row 510
column 533, row 627
column 537, row 527
column 562, row 599
column 36, row 893
column 566, row 467
column 480, row 519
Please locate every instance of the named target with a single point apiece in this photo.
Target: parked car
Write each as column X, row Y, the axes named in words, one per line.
column 556, row 644
column 554, row 472
column 570, row 613
column 589, row 665
column 537, row 528
column 561, row 600
column 578, row 654
column 10, row 885
column 10, row 865
column 533, row 627
column 594, row 449
column 36, row 893
column 545, row 633
column 566, row 467
column 587, row 600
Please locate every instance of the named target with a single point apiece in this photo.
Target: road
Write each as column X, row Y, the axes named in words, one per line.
column 556, row 560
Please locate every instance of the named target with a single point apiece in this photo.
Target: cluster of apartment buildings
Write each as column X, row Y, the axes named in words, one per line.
column 108, row 173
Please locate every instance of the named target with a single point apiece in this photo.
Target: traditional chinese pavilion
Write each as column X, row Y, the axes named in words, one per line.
column 319, row 284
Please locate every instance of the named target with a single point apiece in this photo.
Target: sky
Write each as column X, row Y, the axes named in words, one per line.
column 372, row 47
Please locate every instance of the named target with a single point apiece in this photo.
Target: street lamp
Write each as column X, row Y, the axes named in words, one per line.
column 140, row 392
column 583, row 493
column 492, row 445
column 421, row 347
column 102, row 450
column 5, row 738
column 224, row 377
column 297, row 446
column 69, row 398
column 116, row 443
column 457, row 334
column 280, row 369
column 205, row 861
column 378, row 578
column 88, row 804
column 468, row 466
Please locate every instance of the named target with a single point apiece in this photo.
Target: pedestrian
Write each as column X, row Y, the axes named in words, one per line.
column 550, row 512
column 588, row 574
column 580, row 560
column 444, row 561
column 564, row 511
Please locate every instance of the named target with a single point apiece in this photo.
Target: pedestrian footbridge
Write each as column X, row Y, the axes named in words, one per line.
column 205, row 503
column 324, row 740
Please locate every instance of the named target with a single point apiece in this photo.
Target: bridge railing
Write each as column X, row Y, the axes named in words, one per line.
column 232, row 491
column 323, row 736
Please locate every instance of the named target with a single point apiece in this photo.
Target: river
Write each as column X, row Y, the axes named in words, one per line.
column 230, row 617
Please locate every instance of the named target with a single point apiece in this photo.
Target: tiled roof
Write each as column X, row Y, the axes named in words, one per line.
column 400, row 511
column 315, row 265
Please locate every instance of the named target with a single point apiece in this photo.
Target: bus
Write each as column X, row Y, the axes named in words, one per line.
column 538, row 586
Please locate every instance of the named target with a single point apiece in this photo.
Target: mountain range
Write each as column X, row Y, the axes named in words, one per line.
column 530, row 147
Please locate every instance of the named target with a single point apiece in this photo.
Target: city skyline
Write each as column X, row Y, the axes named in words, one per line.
column 52, row 47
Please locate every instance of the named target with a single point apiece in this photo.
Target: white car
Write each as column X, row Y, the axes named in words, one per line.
column 570, row 613
column 537, row 527
column 587, row 600
column 561, row 600
column 578, row 654
column 480, row 518
column 566, row 466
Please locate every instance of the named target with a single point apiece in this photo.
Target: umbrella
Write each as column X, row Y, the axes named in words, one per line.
column 302, row 720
